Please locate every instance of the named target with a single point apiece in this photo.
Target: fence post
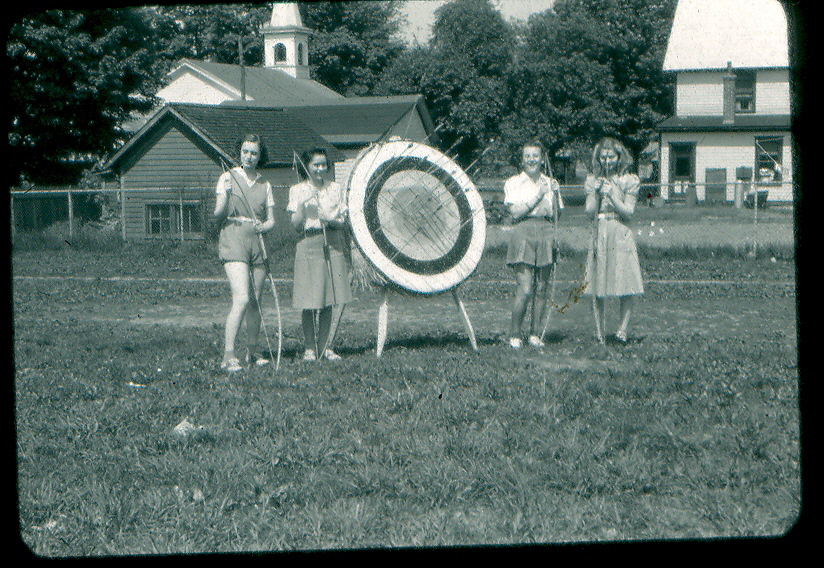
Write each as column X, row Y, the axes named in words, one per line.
column 122, row 209
column 71, row 212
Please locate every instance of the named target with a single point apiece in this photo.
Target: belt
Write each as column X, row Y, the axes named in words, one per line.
column 239, row 220
column 608, row 215
column 313, row 231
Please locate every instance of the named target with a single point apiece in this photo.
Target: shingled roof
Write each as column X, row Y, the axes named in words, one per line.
column 221, row 126
column 706, row 34
column 743, row 122
column 356, row 120
column 262, row 84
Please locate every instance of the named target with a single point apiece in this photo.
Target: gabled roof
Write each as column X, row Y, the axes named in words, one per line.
column 706, row 34
column 356, row 120
column 220, row 127
column 743, row 122
column 263, row 84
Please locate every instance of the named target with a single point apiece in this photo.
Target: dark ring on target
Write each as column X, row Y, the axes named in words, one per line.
column 370, row 212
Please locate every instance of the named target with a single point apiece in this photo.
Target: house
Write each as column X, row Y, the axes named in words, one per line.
column 732, row 122
column 169, row 168
column 351, row 124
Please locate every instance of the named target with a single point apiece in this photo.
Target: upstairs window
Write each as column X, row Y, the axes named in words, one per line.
column 744, row 91
column 300, row 54
column 280, row 53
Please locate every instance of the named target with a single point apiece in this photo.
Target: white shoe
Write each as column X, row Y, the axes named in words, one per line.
column 330, row 355
column 535, row 341
column 515, row 343
column 309, row 355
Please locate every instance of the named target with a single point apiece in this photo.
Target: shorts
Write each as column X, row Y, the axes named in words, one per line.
column 530, row 242
column 239, row 242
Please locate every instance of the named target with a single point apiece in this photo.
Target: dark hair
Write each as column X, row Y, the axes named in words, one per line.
column 264, row 153
column 306, row 157
column 624, row 157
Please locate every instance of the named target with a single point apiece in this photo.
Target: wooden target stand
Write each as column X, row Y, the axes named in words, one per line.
column 419, row 221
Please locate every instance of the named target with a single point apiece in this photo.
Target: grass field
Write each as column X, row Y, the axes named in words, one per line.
column 691, row 431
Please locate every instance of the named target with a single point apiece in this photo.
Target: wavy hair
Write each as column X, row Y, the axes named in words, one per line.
column 608, row 143
column 306, row 157
column 264, row 152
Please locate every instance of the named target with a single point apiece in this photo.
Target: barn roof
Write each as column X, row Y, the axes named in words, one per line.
column 221, row 126
column 355, row 120
column 706, row 34
column 263, row 84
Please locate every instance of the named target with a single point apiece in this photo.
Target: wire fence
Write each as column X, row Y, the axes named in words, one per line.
column 183, row 213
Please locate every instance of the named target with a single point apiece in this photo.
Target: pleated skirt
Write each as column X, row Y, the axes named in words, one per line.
column 612, row 267
column 314, row 287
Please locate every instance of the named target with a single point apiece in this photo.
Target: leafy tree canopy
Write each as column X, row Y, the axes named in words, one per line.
column 74, row 77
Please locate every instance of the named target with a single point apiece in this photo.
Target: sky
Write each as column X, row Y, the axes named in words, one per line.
column 419, row 14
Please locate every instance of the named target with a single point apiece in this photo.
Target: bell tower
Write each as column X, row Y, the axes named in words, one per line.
column 286, row 41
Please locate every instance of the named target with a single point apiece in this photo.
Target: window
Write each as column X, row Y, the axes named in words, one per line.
column 744, row 91
column 768, row 153
column 682, row 159
column 166, row 218
column 280, row 53
column 300, row 54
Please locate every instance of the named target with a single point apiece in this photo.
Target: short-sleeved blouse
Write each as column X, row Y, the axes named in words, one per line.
column 257, row 192
column 629, row 184
column 522, row 189
column 331, row 203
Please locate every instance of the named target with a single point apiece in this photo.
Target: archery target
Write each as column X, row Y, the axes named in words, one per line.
column 416, row 216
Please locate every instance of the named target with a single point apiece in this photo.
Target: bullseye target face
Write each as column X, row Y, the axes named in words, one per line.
column 416, row 216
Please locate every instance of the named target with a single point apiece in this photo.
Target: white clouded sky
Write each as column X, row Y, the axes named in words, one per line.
column 419, row 14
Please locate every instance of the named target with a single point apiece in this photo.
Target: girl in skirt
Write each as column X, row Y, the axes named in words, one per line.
column 322, row 264
column 612, row 267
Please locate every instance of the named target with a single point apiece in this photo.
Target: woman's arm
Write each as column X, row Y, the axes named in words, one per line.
column 593, row 202
column 221, row 197
column 624, row 201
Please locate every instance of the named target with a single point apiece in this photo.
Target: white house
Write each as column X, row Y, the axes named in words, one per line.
column 732, row 117
column 283, row 81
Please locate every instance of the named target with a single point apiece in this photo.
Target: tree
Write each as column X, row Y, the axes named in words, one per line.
column 591, row 68
column 461, row 73
column 73, row 78
column 353, row 43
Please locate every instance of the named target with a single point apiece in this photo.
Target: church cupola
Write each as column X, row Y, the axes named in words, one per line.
column 286, row 41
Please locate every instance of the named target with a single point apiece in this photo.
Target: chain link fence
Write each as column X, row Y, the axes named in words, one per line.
column 184, row 214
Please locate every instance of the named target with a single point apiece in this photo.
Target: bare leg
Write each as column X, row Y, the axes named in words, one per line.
column 523, row 294
column 324, row 324
column 539, row 304
column 307, row 318
column 600, row 318
column 253, row 317
column 626, row 305
column 238, row 276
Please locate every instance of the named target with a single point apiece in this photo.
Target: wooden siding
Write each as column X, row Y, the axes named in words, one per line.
column 727, row 151
column 173, row 163
column 188, row 88
column 772, row 91
column 702, row 93
column 699, row 94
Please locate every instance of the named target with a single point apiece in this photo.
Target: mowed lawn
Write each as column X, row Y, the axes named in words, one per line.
column 690, row 431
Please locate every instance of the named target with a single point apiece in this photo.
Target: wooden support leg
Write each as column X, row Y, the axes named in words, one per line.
column 383, row 317
column 465, row 318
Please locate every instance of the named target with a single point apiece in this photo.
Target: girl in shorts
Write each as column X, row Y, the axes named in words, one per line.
column 530, row 198
column 243, row 198
column 322, row 264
